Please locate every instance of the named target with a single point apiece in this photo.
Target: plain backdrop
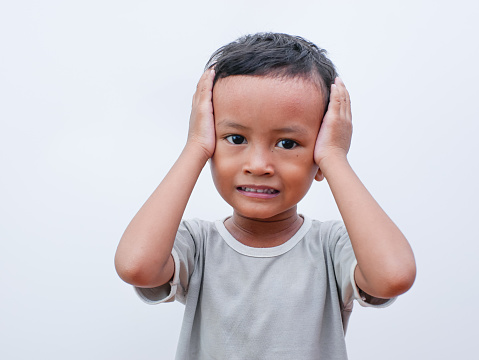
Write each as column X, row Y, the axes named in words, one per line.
column 95, row 99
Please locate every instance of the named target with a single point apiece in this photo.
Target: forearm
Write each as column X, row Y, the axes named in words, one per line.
column 386, row 266
column 143, row 255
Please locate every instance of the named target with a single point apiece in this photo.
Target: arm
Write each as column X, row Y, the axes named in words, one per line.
column 143, row 257
column 386, row 265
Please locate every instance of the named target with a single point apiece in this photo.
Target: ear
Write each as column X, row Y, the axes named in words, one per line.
column 319, row 175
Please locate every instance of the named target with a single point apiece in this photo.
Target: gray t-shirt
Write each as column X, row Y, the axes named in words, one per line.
column 292, row 301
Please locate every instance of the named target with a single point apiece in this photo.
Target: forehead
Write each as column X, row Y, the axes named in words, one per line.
column 268, row 98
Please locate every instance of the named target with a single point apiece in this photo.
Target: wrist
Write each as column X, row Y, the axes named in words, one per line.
column 328, row 163
column 197, row 151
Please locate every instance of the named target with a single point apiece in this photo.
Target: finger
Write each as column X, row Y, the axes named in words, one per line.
column 206, row 80
column 341, row 90
column 334, row 101
column 345, row 101
column 346, row 92
column 203, row 77
column 205, row 86
column 348, row 103
column 343, row 98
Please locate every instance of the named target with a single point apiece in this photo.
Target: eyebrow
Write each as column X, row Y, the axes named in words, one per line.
column 231, row 124
column 293, row 129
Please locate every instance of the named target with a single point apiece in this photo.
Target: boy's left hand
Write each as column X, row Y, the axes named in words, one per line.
column 334, row 136
column 386, row 266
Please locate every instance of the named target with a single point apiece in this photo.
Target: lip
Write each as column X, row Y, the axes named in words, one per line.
column 258, row 191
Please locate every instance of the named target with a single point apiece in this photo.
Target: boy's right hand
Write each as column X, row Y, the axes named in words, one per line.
column 143, row 257
column 202, row 124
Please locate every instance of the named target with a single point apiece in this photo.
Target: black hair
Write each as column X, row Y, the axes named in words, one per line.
column 274, row 54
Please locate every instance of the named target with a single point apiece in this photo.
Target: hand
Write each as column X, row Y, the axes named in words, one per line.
column 202, row 123
column 334, row 136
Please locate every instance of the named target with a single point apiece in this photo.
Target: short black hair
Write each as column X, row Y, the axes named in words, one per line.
column 274, row 54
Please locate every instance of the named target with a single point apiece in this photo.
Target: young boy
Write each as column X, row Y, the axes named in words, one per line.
column 266, row 282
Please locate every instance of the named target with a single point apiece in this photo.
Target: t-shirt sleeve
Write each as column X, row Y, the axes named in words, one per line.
column 345, row 263
column 184, row 254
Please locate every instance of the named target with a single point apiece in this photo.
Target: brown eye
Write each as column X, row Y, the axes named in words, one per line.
column 287, row 144
column 236, row 139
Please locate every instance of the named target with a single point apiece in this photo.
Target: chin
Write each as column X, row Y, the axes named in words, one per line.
column 264, row 214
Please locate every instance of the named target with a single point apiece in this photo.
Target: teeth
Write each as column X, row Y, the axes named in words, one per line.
column 261, row 191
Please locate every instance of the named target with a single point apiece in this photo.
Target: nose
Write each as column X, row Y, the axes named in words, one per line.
column 259, row 162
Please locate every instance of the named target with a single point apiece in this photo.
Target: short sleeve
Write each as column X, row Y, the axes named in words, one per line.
column 345, row 264
column 184, row 254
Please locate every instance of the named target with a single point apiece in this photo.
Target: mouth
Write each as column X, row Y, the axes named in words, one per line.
column 258, row 191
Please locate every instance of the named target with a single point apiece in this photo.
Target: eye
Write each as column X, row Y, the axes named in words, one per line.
column 236, row 139
column 287, row 144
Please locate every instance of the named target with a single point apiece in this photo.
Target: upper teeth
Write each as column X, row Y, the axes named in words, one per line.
column 266, row 191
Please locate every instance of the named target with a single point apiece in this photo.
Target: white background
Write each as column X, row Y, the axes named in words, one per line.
column 94, row 105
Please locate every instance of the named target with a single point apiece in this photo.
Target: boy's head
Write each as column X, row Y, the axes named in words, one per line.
column 270, row 96
column 275, row 55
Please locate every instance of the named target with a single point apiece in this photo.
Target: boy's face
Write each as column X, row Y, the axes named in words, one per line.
column 266, row 130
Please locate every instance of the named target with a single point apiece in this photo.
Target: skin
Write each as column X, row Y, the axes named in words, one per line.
column 281, row 113
column 245, row 137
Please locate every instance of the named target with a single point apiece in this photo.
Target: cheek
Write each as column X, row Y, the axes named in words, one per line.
column 301, row 163
column 302, row 177
column 300, row 173
column 214, row 171
column 221, row 171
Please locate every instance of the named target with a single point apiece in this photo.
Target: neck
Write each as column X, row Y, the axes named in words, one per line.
column 264, row 232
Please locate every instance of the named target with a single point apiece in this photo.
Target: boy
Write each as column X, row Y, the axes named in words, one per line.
column 266, row 282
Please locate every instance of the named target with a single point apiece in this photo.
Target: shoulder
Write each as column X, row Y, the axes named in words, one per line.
column 195, row 233
column 328, row 233
column 327, row 228
column 327, row 239
column 196, row 228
